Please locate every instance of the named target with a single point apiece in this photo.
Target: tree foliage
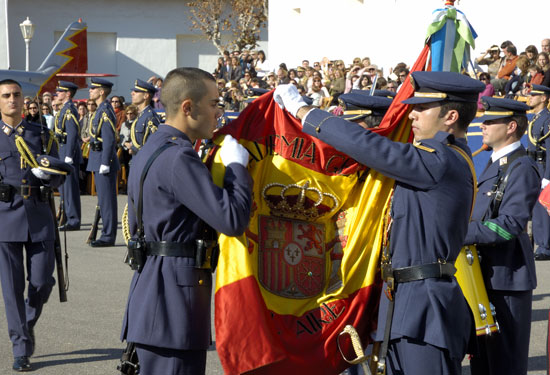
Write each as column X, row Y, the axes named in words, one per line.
column 240, row 21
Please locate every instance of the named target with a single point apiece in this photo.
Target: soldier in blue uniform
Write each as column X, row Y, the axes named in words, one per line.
column 508, row 189
column 168, row 310
column 147, row 121
column 539, row 142
column 103, row 160
column 429, row 328
column 27, row 220
column 67, row 131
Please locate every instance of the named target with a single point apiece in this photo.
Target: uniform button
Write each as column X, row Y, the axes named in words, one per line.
column 174, row 138
column 24, row 181
column 201, row 282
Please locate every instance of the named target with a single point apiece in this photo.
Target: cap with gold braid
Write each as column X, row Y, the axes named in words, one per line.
column 539, row 90
column 432, row 87
column 52, row 165
column 142, row 86
column 358, row 104
column 99, row 82
column 66, row 86
column 496, row 108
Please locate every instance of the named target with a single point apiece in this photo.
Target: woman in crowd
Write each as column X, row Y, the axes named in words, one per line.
column 489, row 89
column 262, row 65
column 34, row 115
column 317, row 93
column 338, row 84
column 543, row 61
column 47, row 113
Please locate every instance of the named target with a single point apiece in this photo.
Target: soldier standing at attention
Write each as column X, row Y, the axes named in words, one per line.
column 103, row 160
column 507, row 191
column 424, row 321
column 168, row 310
column 147, row 121
column 67, row 131
column 538, row 149
column 27, row 220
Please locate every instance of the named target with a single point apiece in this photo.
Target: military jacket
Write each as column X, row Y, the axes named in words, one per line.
column 142, row 127
column 24, row 219
column 539, row 128
column 66, row 126
column 102, row 129
column 431, row 209
column 507, row 260
column 169, row 301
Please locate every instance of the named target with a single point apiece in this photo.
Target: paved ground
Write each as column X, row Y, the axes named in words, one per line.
column 81, row 336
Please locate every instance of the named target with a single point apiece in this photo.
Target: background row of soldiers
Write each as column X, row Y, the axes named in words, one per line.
column 101, row 144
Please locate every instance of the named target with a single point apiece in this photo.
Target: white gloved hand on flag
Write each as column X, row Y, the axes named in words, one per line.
column 233, row 152
column 288, row 97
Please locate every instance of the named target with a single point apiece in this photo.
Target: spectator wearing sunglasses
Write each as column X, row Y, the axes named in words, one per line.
column 488, row 91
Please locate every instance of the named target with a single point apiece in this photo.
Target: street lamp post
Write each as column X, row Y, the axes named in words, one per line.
column 27, row 29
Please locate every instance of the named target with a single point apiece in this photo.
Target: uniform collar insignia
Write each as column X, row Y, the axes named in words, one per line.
column 7, row 130
column 20, row 130
column 503, row 160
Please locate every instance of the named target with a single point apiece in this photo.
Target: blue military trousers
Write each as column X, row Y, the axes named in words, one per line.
column 22, row 314
column 70, row 194
column 154, row 361
column 105, row 185
column 407, row 356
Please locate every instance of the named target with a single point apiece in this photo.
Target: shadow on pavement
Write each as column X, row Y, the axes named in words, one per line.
column 539, row 315
column 80, row 356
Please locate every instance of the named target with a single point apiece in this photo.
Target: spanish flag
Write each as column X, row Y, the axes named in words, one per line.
column 308, row 265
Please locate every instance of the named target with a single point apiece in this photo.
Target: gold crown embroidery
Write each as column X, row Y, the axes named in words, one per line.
column 298, row 202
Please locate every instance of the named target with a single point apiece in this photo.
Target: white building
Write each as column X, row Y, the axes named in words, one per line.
column 133, row 39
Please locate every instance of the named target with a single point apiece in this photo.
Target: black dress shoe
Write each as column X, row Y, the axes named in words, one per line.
column 68, row 228
column 101, row 243
column 542, row 257
column 21, row 364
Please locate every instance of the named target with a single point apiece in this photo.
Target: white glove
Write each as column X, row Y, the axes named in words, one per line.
column 39, row 173
column 68, row 160
column 233, row 152
column 287, row 96
column 104, row 169
column 544, row 183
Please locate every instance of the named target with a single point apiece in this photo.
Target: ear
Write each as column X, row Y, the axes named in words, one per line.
column 511, row 127
column 451, row 117
column 186, row 107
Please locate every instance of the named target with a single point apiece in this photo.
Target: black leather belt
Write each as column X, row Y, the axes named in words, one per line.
column 171, row 249
column 426, row 271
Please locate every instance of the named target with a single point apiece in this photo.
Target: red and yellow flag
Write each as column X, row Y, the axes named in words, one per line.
column 308, row 264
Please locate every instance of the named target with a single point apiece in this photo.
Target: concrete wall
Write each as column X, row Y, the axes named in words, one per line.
column 391, row 31
column 134, row 39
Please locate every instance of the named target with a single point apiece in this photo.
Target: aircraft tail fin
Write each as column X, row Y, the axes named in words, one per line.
column 70, row 54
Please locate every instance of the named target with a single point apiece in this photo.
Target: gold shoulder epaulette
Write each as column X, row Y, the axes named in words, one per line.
column 422, row 147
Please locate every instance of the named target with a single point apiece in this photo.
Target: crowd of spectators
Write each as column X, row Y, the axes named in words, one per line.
column 505, row 72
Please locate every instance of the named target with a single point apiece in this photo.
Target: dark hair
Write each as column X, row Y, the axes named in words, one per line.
column 505, row 44
column 373, row 121
column 485, row 75
column 512, row 49
column 9, row 82
column 263, row 54
column 531, row 48
column 182, row 84
column 466, row 112
column 522, row 122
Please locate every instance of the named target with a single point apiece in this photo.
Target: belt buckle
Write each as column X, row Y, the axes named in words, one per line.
column 26, row 191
